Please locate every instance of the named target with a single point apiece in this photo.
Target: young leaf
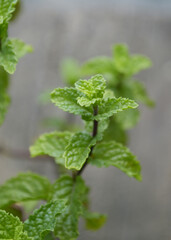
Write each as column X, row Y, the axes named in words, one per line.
column 111, row 106
column 74, row 193
column 94, row 221
column 20, row 48
column 52, row 144
column 77, row 150
column 115, row 154
column 7, row 7
column 24, row 187
column 11, row 228
column 92, row 88
column 43, row 220
column 66, row 99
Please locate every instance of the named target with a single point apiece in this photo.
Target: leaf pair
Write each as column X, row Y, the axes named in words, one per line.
column 87, row 94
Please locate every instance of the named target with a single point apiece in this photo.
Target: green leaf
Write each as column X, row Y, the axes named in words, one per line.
column 7, row 7
column 8, row 57
column 24, row 187
column 52, row 144
column 78, row 150
column 43, row 220
column 97, row 65
column 62, row 188
column 66, row 99
column 94, row 221
column 11, row 228
column 115, row 154
column 4, row 103
column 127, row 64
column 20, row 48
column 128, row 119
column 111, row 106
column 92, row 88
column 74, row 193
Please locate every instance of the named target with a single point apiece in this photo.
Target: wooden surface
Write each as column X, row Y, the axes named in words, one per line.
column 136, row 211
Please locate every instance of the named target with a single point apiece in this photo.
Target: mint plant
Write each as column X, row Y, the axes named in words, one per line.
column 11, row 50
column 67, row 198
column 119, row 71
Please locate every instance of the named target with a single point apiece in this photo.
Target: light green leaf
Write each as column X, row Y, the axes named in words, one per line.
column 24, row 187
column 11, row 228
column 78, row 150
column 20, row 48
column 8, row 58
column 97, row 65
column 52, row 144
column 92, row 88
column 74, row 193
column 7, row 7
column 115, row 154
column 94, row 221
column 127, row 64
column 66, row 99
column 84, row 101
column 111, row 106
column 43, row 220
column 128, row 119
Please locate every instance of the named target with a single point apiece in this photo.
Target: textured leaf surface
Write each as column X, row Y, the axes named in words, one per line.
column 52, row 144
column 114, row 154
column 7, row 7
column 92, row 88
column 43, row 220
column 20, row 48
column 74, row 193
column 94, row 221
column 11, row 228
column 114, row 105
column 66, row 99
column 8, row 57
column 77, row 150
column 26, row 186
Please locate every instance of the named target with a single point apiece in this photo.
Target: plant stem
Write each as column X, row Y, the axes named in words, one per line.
column 94, row 133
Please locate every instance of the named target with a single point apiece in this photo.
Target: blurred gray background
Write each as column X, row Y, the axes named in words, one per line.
column 84, row 29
